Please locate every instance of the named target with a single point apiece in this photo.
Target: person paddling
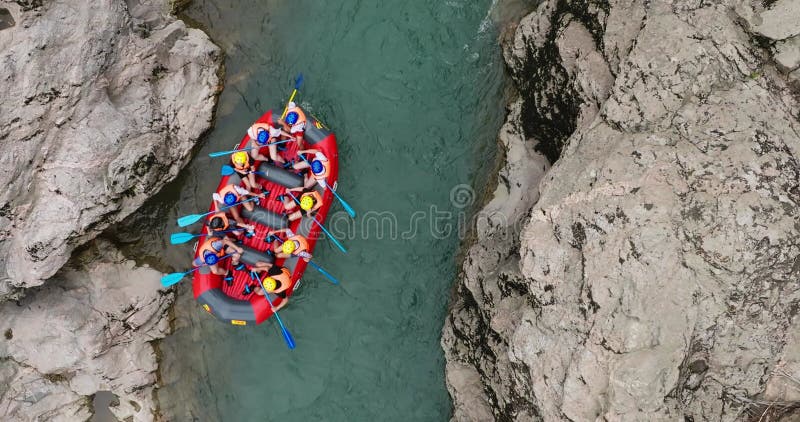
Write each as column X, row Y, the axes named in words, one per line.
column 214, row 248
column 244, row 167
column 319, row 166
column 263, row 134
column 294, row 245
column 310, row 201
column 219, row 223
column 232, row 194
column 277, row 282
column 295, row 123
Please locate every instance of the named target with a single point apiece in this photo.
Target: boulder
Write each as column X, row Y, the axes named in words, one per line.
column 89, row 329
column 656, row 275
column 102, row 104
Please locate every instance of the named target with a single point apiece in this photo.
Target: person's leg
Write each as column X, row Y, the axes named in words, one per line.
column 301, row 165
column 309, row 182
column 297, row 189
column 215, row 269
column 261, row 266
column 283, row 303
column 294, row 216
column 236, row 216
column 273, row 153
column 288, row 202
column 249, row 206
column 253, row 184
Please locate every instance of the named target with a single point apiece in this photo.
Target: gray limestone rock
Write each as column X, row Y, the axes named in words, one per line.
column 89, row 329
column 787, row 54
column 656, row 275
column 102, row 103
column 780, row 21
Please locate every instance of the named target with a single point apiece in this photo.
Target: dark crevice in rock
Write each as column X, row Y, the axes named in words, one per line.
column 551, row 105
column 28, row 5
column 6, row 20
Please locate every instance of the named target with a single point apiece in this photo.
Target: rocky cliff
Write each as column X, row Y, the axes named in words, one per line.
column 87, row 330
column 652, row 273
column 102, row 104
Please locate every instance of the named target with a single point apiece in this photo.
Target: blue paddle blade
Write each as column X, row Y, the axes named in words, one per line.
column 220, row 153
column 345, row 205
column 298, row 81
column 189, row 219
column 330, row 236
column 170, row 279
column 286, row 335
column 178, row 238
column 227, row 170
column 323, row 272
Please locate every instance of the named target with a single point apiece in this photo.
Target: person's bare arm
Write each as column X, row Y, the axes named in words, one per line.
column 229, row 243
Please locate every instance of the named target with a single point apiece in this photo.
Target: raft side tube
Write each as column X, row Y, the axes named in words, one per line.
column 251, row 256
column 226, row 308
column 280, row 176
column 315, row 130
column 266, row 217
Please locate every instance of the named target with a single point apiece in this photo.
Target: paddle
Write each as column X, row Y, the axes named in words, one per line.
column 286, row 335
column 179, row 238
column 322, row 182
column 228, row 170
column 297, row 82
column 170, row 279
column 330, row 236
column 224, row 153
column 325, row 273
column 193, row 218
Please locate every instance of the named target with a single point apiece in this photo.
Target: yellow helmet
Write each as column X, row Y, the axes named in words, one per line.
column 288, row 246
column 307, row 202
column 240, row 159
column 270, row 284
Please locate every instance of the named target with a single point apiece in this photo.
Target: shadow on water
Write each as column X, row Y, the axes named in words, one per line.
column 415, row 92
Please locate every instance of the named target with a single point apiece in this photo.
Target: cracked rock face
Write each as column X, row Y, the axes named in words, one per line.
column 88, row 330
column 656, row 275
column 102, row 103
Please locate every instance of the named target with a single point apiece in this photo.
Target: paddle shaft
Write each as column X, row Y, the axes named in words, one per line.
column 228, row 170
column 193, row 218
column 224, row 153
column 178, row 238
column 286, row 335
column 330, row 236
column 323, row 272
column 297, row 82
column 346, row 206
column 170, row 279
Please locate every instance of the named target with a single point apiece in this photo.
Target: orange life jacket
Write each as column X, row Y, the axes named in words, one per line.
column 303, row 243
column 301, row 117
column 207, row 247
column 284, row 278
column 225, row 222
column 258, row 127
column 325, row 170
column 226, row 190
column 316, row 197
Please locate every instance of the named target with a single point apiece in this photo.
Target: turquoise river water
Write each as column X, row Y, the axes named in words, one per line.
column 415, row 92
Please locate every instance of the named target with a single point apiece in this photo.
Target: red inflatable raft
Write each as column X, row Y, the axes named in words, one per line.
column 227, row 300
